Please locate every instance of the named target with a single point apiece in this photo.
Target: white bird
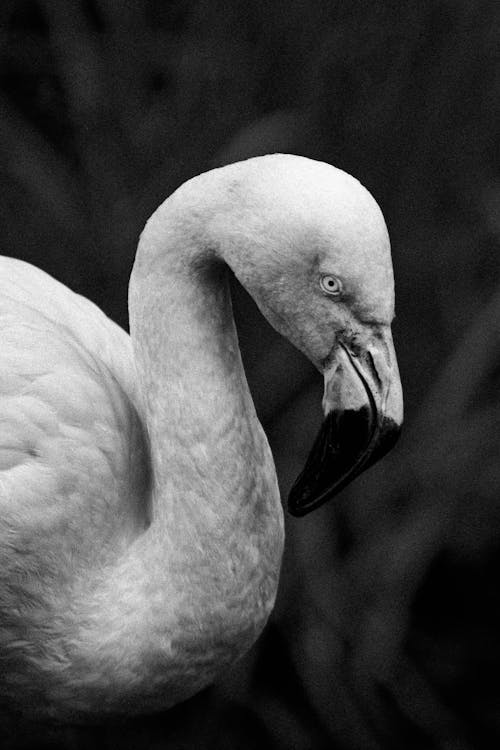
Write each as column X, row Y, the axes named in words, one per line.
column 141, row 529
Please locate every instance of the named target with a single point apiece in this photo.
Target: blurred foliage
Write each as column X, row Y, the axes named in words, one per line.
column 386, row 633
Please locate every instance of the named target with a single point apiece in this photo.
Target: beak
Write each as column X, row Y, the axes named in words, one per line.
column 363, row 406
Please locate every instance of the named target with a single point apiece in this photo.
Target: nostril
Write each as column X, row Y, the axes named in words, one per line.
column 373, row 368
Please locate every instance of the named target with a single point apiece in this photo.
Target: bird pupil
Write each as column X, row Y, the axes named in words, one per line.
column 330, row 284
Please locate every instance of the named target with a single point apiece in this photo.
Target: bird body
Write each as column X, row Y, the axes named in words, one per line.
column 86, row 577
column 141, row 529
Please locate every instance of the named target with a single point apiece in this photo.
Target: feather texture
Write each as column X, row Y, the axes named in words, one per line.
column 141, row 530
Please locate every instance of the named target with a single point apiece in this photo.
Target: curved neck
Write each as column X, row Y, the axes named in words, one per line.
column 193, row 591
column 199, row 414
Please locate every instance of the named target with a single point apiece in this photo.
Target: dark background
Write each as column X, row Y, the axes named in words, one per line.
column 386, row 632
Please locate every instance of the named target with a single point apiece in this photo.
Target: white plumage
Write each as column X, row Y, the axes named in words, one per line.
column 141, row 531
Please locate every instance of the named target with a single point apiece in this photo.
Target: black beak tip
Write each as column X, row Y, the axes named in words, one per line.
column 296, row 505
column 387, row 438
column 334, row 462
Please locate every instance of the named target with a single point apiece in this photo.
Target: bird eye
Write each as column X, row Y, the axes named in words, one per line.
column 330, row 285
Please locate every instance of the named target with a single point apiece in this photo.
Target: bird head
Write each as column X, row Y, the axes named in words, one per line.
column 310, row 244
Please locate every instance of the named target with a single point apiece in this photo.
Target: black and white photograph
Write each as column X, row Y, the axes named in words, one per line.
column 249, row 375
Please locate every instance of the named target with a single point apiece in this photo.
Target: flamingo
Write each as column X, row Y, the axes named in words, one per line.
column 141, row 528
